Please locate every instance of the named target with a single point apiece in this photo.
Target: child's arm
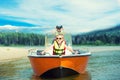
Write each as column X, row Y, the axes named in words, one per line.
column 47, row 49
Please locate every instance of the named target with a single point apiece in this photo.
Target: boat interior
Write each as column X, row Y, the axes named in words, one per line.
column 48, row 41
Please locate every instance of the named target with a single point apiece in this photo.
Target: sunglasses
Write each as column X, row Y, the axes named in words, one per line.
column 59, row 38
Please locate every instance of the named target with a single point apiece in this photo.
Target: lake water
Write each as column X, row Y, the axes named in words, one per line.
column 101, row 66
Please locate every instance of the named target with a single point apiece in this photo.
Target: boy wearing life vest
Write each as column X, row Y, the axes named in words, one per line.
column 59, row 46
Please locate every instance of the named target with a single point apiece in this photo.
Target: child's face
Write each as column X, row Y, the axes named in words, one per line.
column 59, row 39
column 59, row 30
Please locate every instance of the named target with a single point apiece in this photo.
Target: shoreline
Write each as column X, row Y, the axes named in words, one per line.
column 93, row 49
column 11, row 53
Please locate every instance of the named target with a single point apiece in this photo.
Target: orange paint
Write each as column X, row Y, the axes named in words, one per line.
column 42, row 64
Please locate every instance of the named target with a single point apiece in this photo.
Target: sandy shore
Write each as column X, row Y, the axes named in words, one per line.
column 8, row 53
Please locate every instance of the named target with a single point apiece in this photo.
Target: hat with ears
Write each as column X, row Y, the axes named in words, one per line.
column 59, row 27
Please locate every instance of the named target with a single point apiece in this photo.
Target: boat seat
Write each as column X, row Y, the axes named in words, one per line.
column 39, row 52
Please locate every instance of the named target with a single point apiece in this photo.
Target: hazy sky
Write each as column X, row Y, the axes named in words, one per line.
column 43, row 15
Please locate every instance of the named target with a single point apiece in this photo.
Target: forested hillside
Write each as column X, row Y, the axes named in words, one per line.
column 101, row 37
column 15, row 38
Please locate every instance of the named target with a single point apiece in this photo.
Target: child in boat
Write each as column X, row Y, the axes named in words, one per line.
column 59, row 47
column 59, row 30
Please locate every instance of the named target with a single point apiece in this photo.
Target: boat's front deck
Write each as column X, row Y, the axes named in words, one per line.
column 37, row 53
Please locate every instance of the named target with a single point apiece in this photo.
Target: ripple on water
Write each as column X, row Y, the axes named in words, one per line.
column 105, row 65
column 101, row 66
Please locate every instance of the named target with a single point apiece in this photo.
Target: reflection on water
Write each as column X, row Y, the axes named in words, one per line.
column 101, row 66
column 85, row 76
column 21, row 70
column 15, row 70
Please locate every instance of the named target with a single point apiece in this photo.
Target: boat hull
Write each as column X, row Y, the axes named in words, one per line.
column 60, row 65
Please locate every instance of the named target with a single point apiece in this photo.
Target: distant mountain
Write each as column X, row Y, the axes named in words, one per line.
column 26, row 30
column 113, row 30
column 109, row 36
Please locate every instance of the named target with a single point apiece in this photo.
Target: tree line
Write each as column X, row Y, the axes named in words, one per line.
column 104, row 37
column 16, row 38
column 101, row 37
column 96, row 39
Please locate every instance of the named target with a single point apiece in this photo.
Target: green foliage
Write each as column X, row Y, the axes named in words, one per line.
column 15, row 38
column 102, row 37
column 98, row 42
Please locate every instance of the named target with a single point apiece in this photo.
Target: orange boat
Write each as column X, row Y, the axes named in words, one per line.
column 58, row 66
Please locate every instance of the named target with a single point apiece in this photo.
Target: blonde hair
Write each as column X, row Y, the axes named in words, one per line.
column 60, row 35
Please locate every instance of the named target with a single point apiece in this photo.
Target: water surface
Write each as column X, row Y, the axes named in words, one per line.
column 102, row 66
column 105, row 65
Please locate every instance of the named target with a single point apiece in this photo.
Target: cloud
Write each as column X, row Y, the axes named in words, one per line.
column 118, row 1
column 37, row 29
column 9, row 27
column 74, row 15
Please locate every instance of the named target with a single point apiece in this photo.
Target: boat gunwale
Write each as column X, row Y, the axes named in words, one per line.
column 62, row 56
